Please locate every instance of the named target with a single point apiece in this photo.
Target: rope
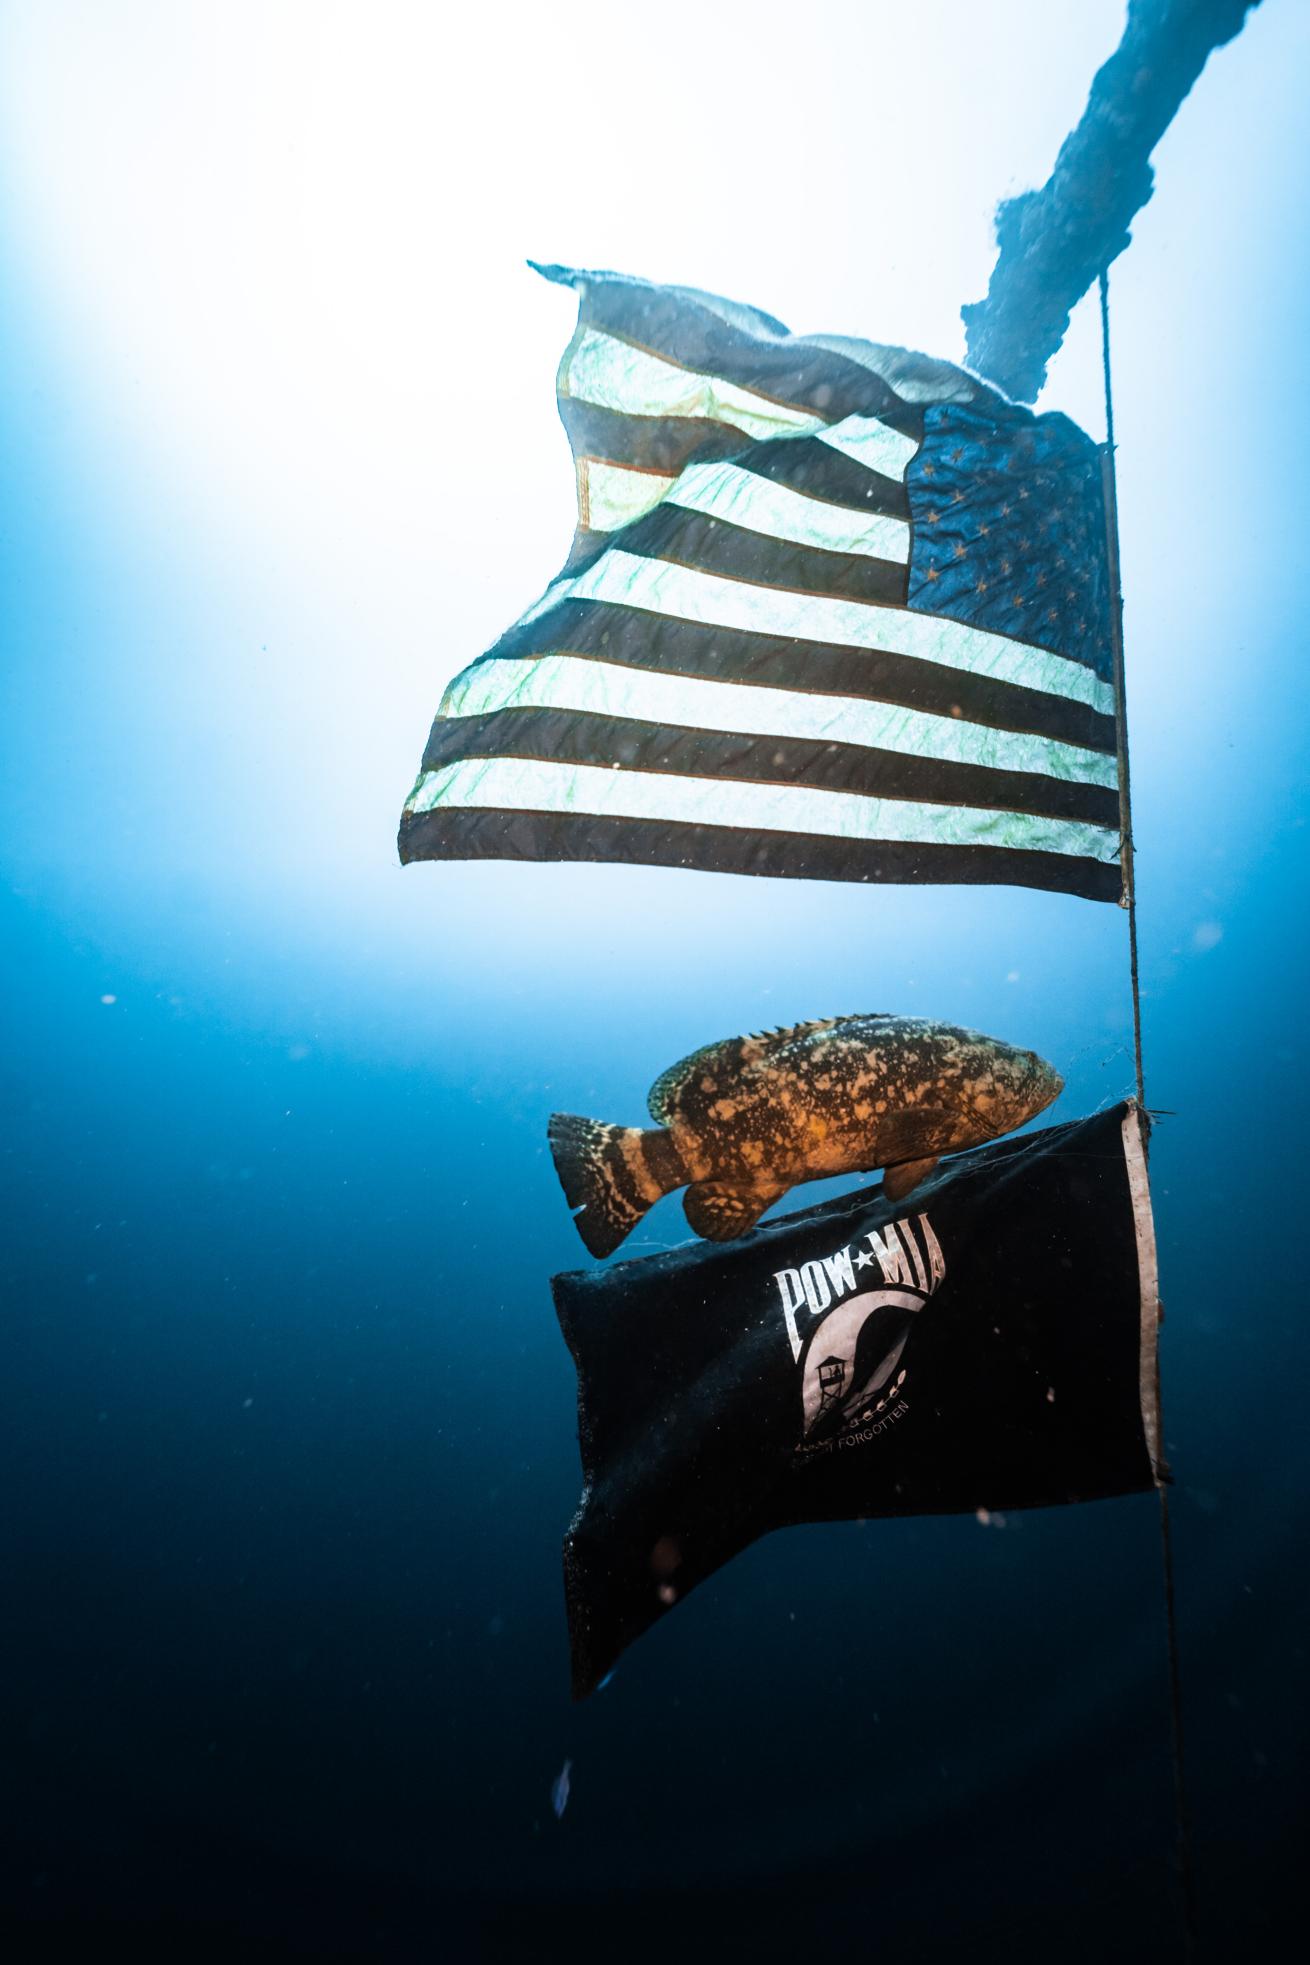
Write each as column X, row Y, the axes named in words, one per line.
column 1129, row 901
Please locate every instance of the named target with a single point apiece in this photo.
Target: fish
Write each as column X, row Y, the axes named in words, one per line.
column 559, row 1790
column 740, row 1122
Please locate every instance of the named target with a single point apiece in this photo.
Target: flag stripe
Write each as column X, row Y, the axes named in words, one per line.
column 582, row 737
column 762, row 565
column 756, row 352
column 612, row 374
column 611, row 495
column 816, row 468
column 666, row 443
column 757, row 504
column 474, row 834
column 657, row 586
column 543, row 785
column 869, row 442
column 689, row 648
column 652, row 443
column 571, row 682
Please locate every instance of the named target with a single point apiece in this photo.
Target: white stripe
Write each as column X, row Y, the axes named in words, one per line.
column 1148, row 1275
column 872, row 444
column 611, row 374
column 611, row 495
column 726, row 491
column 659, row 587
column 571, row 682
column 535, row 785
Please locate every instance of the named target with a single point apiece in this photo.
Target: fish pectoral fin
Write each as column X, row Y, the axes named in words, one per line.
column 901, row 1180
column 720, row 1212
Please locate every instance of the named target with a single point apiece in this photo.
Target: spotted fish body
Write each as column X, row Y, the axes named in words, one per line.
column 740, row 1122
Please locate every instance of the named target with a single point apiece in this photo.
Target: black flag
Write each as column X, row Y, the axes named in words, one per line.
column 990, row 1344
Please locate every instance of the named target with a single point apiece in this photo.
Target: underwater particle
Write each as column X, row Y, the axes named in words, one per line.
column 1206, row 935
column 108, row 999
column 665, row 1556
column 559, row 1790
column 1012, row 975
column 667, row 1594
column 984, row 1515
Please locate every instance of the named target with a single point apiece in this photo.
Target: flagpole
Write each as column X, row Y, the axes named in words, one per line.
column 1109, row 492
column 1109, row 489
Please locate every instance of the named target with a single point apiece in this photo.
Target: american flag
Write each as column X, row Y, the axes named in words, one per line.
column 833, row 610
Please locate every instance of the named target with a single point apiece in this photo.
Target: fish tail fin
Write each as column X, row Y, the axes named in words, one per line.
column 611, row 1175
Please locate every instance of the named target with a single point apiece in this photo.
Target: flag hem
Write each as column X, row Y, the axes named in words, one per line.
column 1148, row 1271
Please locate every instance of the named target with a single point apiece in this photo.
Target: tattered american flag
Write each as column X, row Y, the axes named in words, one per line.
column 833, row 610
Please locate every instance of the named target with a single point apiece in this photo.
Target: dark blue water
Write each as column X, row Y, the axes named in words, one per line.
column 290, row 1454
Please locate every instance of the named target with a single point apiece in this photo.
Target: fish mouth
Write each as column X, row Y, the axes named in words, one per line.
column 1046, row 1082
column 1044, row 1086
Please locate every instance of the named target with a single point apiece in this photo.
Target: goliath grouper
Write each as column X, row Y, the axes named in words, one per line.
column 740, row 1122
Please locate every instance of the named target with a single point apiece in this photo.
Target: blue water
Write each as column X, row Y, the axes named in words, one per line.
column 293, row 1447
column 290, row 1438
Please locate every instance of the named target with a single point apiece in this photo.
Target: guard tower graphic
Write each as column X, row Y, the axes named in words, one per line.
column 832, row 1377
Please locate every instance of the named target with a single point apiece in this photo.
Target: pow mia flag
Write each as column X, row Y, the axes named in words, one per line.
column 992, row 1344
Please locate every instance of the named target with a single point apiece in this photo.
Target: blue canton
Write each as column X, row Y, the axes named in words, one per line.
column 1009, row 529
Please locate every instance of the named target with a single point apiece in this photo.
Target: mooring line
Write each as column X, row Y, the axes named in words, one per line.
column 1109, row 489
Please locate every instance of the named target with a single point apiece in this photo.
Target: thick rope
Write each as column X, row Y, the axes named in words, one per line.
column 1181, row 1817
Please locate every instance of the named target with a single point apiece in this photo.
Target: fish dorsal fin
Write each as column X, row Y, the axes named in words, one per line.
column 663, row 1098
column 783, row 1033
column 786, row 1033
